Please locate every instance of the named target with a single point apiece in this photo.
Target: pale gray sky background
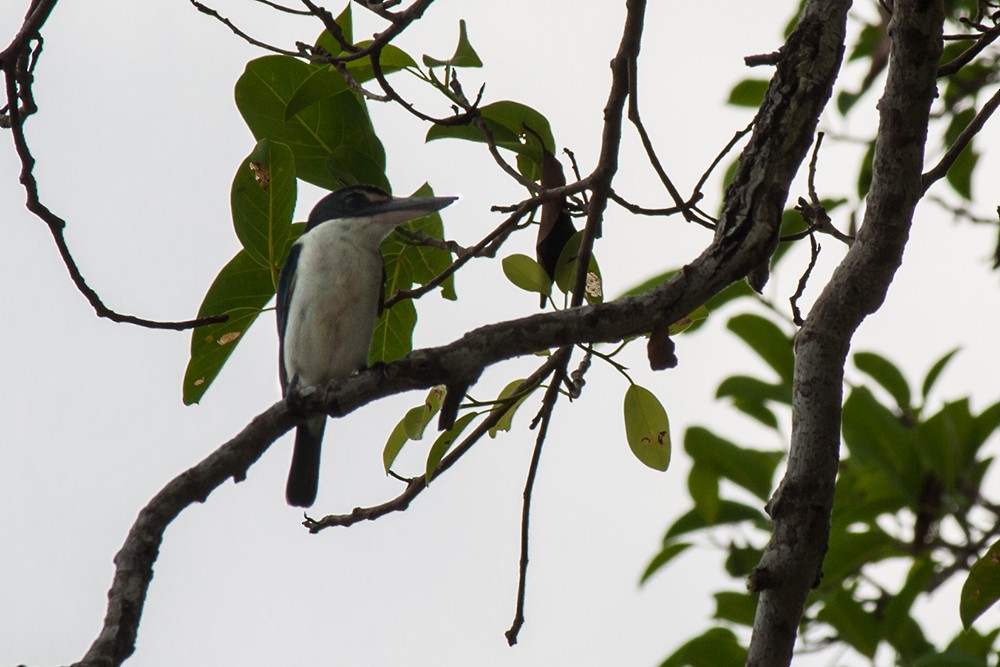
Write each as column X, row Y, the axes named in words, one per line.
column 137, row 143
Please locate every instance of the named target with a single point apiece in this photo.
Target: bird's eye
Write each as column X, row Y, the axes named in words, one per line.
column 355, row 201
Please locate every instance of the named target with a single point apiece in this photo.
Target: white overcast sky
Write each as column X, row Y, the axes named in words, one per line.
column 137, row 142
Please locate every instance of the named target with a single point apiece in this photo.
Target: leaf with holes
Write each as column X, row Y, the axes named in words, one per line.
column 647, row 428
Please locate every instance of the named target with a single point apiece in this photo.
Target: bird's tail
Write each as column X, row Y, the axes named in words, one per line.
column 303, row 477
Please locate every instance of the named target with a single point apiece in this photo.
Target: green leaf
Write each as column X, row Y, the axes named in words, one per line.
column 326, row 82
column 333, row 129
column 865, row 174
column 263, row 201
column 878, row 440
column 734, row 607
column 526, row 273
column 326, row 40
column 742, row 560
column 660, row 560
column 982, row 588
column 945, row 443
column 241, row 290
column 868, row 38
column 898, row 627
column 751, row 389
column 717, row 647
column 323, row 83
column 508, row 122
column 416, row 419
column 465, row 55
column 853, row 624
column 647, row 428
column 729, row 512
column 935, row 372
column 752, row 469
column 959, row 121
column 886, row 374
column 748, row 93
column 394, row 445
column 393, row 337
column 767, row 340
column 508, row 417
column 688, row 321
column 949, row 658
column 444, row 443
column 959, row 175
column 408, row 263
column 566, row 267
column 970, row 642
column 703, row 487
column 850, row 551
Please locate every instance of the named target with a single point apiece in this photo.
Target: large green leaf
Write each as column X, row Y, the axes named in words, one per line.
column 729, row 512
column 406, row 264
column 853, row 624
column 750, row 468
column 766, row 339
column 524, row 272
column 444, row 443
column 660, row 560
column 507, row 420
column 735, row 607
column 393, row 337
column 333, row 140
column 935, row 372
column 748, row 93
column 717, row 647
column 850, row 550
column 886, row 374
column 514, row 127
column 241, row 290
column 263, row 201
column 326, row 81
column 982, row 588
column 876, row 437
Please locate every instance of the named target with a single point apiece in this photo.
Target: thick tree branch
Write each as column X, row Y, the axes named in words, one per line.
column 134, row 562
column 801, row 507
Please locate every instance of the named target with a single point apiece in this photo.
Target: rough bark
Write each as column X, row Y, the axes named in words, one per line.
column 802, row 505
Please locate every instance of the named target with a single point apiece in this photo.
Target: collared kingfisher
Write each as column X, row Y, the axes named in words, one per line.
column 330, row 294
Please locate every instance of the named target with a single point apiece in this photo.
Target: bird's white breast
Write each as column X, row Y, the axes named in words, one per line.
column 334, row 304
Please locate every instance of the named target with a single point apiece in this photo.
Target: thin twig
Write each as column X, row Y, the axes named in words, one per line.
column 803, row 281
column 548, row 404
column 417, row 485
column 718, row 158
column 57, row 225
column 963, row 140
column 204, row 9
column 331, row 25
column 282, row 8
column 967, row 56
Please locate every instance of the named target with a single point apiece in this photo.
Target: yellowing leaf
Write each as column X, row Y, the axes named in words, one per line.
column 647, row 428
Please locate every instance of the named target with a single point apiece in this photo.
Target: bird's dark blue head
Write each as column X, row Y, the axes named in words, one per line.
column 370, row 202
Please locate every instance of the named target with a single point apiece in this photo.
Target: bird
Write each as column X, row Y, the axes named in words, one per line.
column 329, row 296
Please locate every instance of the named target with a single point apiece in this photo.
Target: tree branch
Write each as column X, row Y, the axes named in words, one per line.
column 801, row 507
column 16, row 66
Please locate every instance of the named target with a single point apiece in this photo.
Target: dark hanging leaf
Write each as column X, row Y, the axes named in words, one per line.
column 660, row 349
column 556, row 227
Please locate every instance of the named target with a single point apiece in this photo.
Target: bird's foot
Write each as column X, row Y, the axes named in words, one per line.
column 297, row 397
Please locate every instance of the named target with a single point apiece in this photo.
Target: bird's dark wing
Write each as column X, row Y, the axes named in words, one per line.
column 286, row 285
